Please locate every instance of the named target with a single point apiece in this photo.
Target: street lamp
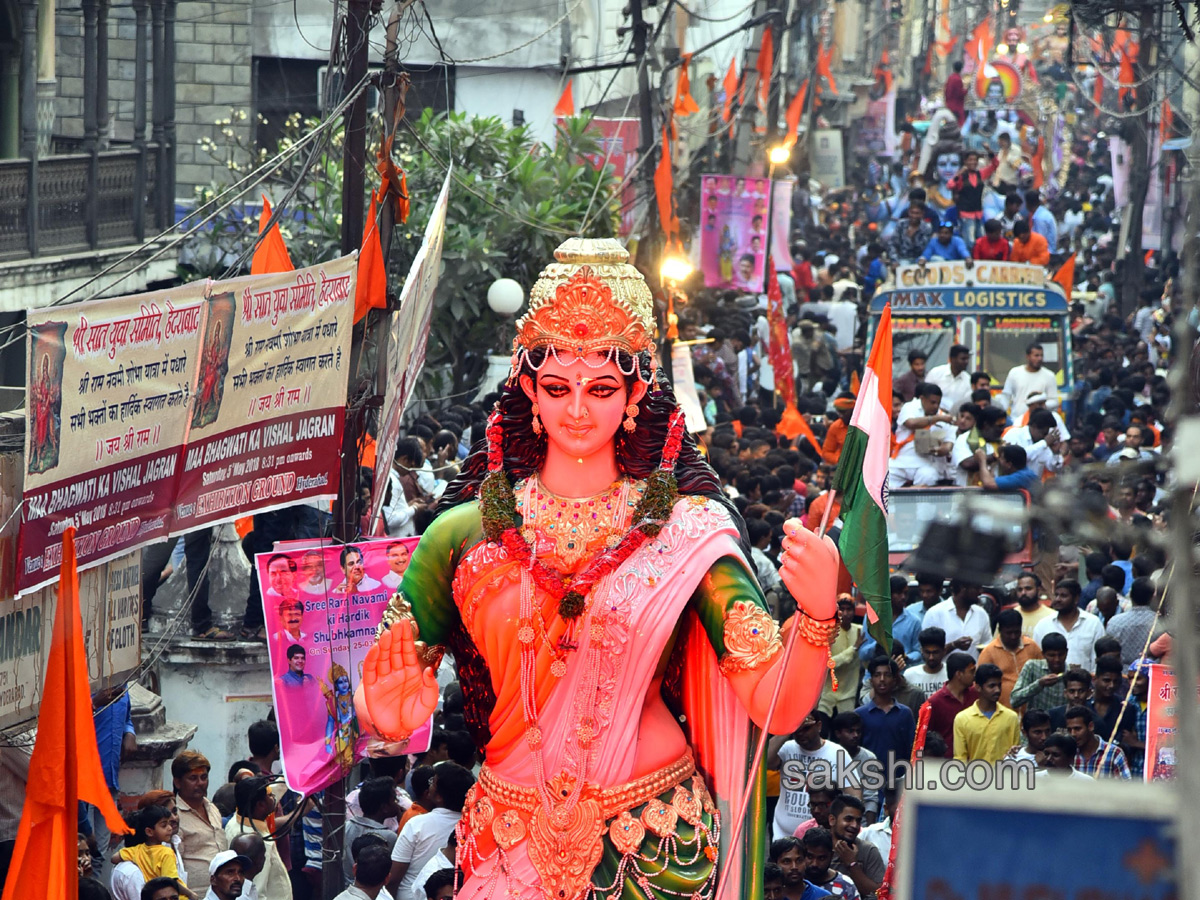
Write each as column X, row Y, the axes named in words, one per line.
column 777, row 156
column 505, row 296
column 673, row 270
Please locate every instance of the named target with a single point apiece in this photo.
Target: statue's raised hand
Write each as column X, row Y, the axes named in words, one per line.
column 809, row 568
column 397, row 695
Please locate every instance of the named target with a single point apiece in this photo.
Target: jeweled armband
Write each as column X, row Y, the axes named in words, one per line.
column 400, row 610
column 818, row 632
column 751, row 638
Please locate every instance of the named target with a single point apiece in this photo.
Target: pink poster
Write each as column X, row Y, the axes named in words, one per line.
column 733, row 231
column 322, row 605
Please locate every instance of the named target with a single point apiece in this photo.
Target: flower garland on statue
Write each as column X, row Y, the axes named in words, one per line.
column 499, row 512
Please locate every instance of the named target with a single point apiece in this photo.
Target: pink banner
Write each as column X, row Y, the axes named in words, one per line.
column 733, row 231
column 1160, row 725
column 322, row 605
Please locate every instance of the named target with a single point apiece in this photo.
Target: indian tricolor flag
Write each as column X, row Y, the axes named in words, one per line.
column 862, row 480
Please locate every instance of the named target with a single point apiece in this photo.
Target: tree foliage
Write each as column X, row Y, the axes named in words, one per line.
column 513, row 199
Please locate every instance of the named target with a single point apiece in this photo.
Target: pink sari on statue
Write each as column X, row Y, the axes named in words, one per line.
column 673, row 844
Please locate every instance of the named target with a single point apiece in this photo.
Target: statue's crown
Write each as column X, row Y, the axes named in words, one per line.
column 590, row 300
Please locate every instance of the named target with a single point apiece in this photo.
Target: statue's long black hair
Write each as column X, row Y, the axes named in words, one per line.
column 638, row 452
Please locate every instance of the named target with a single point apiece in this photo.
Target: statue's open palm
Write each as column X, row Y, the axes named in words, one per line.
column 397, row 694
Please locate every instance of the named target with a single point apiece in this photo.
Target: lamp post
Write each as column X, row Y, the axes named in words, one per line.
column 505, row 297
column 777, row 156
column 673, row 270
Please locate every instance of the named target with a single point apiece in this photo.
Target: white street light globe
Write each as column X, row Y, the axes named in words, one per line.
column 505, row 297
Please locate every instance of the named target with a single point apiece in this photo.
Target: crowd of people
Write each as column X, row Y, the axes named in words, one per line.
column 1047, row 665
column 253, row 838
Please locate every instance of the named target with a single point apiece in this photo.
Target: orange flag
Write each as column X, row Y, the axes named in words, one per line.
column 765, row 64
column 730, row 84
column 824, row 58
column 664, row 186
column 1166, row 122
column 1065, row 276
column 1098, row 88
column 65, row 767
column 370, row 289
column 271, row 254
column 566, row 103
column 1037, row 162
column 792, row 424
column 794, row 112
column 685, row 104
column 1125, row 74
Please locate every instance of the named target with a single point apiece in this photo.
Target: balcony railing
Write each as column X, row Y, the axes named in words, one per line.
column 82, row 202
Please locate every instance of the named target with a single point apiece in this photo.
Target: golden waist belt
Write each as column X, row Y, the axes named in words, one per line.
column 612, row 800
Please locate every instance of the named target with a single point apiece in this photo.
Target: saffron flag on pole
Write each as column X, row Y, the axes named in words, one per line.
column 65, row 766
column 862, row 481
column 1065, row 276
column 271, row 254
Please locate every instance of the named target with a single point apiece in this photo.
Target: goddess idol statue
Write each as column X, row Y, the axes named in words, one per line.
column 615, row 651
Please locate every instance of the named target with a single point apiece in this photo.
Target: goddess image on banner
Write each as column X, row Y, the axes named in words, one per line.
column 46, row 357
column 733, row 231
column 109, row 397
column 322, row 606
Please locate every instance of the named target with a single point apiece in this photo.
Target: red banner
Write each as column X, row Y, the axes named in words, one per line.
column 780, row 349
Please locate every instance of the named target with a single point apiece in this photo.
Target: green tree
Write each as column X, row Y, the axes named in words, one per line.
column 513, row 199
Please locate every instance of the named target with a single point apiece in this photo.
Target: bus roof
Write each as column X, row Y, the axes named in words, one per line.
column 971, row 288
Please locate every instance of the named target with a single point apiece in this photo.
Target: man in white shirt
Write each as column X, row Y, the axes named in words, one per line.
column 1041, row 401
column 954, row 378
column 989, row 425
column 792, row 757
column 397, row 558
column 424, row 835
column 964, row 622
column 1024, row 381
column 922, row 413
column 929, row 677
column 357, row 580
column 1041, row 440
column 1080, row 628
column 127, row 881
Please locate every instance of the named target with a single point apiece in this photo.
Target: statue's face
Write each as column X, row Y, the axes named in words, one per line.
column 995, row 93
column 581, row 402
column 948, row 165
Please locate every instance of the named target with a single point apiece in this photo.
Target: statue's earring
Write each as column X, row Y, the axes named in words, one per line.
column 631, row 412
column 537, row 423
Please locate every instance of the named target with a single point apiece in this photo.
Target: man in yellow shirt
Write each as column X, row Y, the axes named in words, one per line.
column 986, row 730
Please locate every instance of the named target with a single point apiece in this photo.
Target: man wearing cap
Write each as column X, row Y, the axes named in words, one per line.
column 1040, row 401
column 835, row 437
column 201, row 835
column 226, row 876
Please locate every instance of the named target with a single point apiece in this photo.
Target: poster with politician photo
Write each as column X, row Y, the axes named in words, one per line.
column 322, row 604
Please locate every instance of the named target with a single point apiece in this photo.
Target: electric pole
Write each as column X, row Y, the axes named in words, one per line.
column 356, row 32
column 651, row 234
